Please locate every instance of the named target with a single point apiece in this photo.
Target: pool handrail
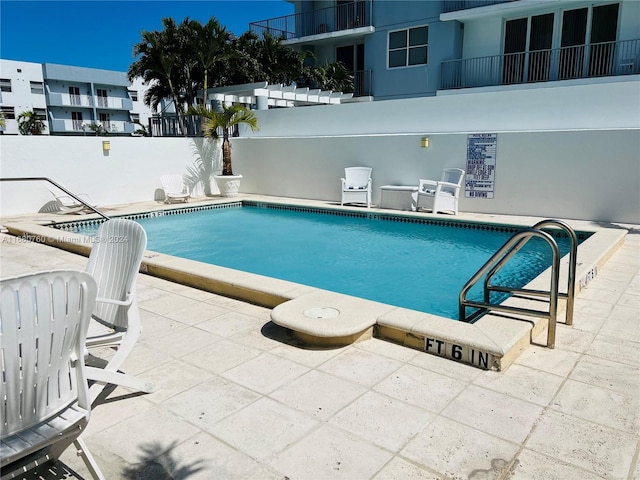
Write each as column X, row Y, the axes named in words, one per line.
column 57, row 185
column 511, row 246
column 571, row 274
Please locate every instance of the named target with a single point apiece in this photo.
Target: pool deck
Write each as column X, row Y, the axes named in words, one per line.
column 239, row 399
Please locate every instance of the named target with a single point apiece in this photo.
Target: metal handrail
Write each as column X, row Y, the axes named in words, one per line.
column 515, row 243
column 571, row 284
column 45, row 179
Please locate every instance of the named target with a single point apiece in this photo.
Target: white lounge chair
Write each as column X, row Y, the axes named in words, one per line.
column 174, row 188
column 114, row 262
column 44, row 390
column 356, row 186
column 442, row 195
column 67, row 204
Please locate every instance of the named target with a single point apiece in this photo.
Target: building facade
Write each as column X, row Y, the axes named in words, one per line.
column 404, row 49
column 72, row 100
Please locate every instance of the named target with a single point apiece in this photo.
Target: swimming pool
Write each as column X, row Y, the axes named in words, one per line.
column 409, row 262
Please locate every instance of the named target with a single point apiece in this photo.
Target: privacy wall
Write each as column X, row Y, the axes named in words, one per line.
column 570, row 152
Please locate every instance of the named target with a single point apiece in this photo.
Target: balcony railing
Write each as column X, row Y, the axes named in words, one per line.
column 455, row 5
column 81, row 127
column 325, row 20
column 581, row 61
column 168, row 125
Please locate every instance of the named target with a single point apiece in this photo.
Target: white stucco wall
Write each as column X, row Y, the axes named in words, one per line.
column 570, row 152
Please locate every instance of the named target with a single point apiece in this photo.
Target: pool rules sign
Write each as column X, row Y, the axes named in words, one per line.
column 481, row 165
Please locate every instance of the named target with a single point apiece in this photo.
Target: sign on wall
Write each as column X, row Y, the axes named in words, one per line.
column 481, row 165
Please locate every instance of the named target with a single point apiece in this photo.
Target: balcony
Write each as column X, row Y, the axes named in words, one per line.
column 66, row 99
column 339, row 18
column 457, row 5
column 580, row 61
column 81, row 127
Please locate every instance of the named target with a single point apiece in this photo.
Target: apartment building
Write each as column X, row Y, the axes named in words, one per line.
column 403, row 49
column 72, row 100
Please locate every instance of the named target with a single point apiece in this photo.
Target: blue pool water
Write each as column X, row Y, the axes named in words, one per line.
column 417, row 266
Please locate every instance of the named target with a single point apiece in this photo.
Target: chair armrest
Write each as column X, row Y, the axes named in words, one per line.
column 124, row 303
column 422, row 186
column 449, row 184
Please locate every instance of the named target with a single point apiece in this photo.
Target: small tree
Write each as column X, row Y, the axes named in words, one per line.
column 30, row 123
column 3, row 122
column 229, row 117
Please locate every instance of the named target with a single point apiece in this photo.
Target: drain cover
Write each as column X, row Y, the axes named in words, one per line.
column 321, row 312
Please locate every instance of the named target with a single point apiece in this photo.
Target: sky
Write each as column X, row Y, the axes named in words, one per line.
column 102, row 33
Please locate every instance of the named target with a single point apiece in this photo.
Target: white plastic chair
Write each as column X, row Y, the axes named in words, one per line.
column 44, row 391
column 442, row 195
column 356, row 186
column 114, row 262
column 174, row 188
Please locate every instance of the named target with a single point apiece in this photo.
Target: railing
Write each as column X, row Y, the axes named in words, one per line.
column 455, row 5
column 581, row 61
column 106, row 127
column 170, row 126
column 502, row 257
column 362, row 86
column 325, row 20
column 57, row 185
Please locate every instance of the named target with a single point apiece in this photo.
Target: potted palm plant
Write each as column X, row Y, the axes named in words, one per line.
column 225, row 120
column 30, row 123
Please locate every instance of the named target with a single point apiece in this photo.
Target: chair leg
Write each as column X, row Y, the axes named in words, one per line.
column 105, row 376
column 88, row 459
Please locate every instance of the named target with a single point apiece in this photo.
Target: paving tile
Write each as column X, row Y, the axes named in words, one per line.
column 172, row 378
column 143, row 358
column 495, row 413
column 606, row 374
column 616, row 350
column 550, row 360
column 534, row 466
column 360, row 366
column 391, row 429
column 165, row 304
column 599, row 405
column 115, row 409
column 318, row 394
column 388, row 349
column 622, row 323
column 221, row 356
column 207, row 403
column 195, row 313
column 589, row 446
column 568, row 338
column 265, row 373
column 205, row 457
column 330, row 453
column 134, row 439
column 398, row 468
column 267, row 337
column 423, row 388
column 263, row 428
column 522, row 382
column 457, row 451
column 231, row 323
column 185, row 341
column 310, row 357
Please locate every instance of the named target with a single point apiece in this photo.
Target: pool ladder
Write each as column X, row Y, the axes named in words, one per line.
column 502, row 256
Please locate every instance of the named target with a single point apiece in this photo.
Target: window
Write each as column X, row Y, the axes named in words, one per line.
column 134, row 95
column 408, row 47
column 37, row 88
column 135, row 117
column 41, row 113
column 8, row 112
column 5, row 85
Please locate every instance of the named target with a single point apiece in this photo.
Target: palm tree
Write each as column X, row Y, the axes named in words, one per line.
column 334, row 76
column 30, row 123
column 229, row 117
column 3, row 122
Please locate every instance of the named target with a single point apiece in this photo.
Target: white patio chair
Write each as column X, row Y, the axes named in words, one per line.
column 356, row 186
column 114, row 262
column 442, row 195
column 174, row 188
column 44, row 390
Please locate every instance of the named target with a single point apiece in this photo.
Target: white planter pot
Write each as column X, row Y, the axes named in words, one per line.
column 228, row 185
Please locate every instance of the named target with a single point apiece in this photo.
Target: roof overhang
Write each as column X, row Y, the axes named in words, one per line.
column 277, row 95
